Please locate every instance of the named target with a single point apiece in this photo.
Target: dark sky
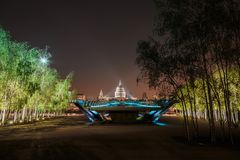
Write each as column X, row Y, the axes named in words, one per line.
column 96, row 39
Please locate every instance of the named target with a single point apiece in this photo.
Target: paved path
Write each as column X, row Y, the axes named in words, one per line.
column 69, row 138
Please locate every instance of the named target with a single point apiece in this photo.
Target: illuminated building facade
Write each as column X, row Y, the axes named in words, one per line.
column 81, row 96
column 101, row 97
column 120, row 91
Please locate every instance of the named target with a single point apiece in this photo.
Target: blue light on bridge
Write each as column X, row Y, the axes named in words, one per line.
column 108, row 104
column 156, row 121
column 156, row 109
column 125, row 103
column 160, row 124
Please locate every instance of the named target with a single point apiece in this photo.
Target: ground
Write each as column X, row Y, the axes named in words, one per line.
column 71, row 139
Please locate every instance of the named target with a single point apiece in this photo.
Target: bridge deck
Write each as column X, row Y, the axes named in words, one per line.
column 122, row 108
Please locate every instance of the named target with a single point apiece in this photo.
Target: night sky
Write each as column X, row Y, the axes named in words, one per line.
column 95, row 39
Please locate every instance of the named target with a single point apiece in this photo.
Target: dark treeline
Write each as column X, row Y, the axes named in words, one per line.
column 194, row 54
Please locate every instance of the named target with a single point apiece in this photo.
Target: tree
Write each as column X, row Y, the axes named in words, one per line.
column 27, row 85
column 193, row 42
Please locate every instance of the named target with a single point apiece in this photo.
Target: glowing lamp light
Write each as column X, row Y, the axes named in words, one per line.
column 10, row 122
column 43, row 60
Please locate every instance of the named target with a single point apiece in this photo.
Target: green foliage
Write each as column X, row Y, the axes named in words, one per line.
column 26, row 82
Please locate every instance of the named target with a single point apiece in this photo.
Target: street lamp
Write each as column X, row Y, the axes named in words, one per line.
column 43, row 60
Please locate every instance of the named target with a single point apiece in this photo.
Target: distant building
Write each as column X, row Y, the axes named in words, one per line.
column 144, row 96
column 81, row 96
column 101, row 97
column 120, row 91
column 119, row 94
column 155, row 96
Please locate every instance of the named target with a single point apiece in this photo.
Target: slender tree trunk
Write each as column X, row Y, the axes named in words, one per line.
column 35, row 113
column 15, row 116
column 207, row 109
column 209, row 95
column 185, row 116
column 23, row 114
column 3, row 116
column 191, row 111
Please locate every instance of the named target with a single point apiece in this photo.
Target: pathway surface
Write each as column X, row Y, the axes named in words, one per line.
column 69, row 138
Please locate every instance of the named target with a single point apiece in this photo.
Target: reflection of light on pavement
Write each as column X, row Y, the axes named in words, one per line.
column 160, row 124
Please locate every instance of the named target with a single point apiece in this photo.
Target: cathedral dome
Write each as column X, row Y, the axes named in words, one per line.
column 120, row 91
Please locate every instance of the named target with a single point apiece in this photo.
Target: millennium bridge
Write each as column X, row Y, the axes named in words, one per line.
column 124, row 110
